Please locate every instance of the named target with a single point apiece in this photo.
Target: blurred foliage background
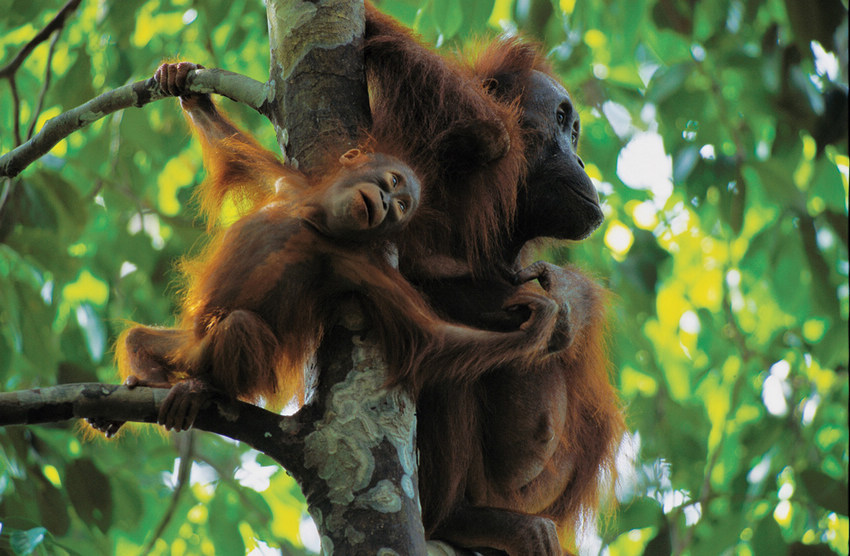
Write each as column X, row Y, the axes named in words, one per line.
column 717, row 135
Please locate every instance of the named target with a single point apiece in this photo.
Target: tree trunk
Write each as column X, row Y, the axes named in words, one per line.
column 359, row 472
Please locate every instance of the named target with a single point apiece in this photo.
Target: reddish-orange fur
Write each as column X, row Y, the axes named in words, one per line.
column 264, row 289
column 235, row 163
column 523, row 440
column 515, row 183
column 452, row 134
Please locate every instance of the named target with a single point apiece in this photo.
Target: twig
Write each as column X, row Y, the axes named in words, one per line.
column 737, row 335
column 16, row 111
column 57, row 22
column 186, row 448
column 47, row 74
column 232, row 85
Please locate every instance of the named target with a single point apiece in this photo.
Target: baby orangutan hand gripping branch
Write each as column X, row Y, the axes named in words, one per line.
column 264, row 289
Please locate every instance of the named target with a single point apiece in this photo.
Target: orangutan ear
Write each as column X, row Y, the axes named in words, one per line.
column 351, row 157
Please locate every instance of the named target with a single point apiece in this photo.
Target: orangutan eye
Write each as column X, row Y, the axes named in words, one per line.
column 562, row 117
column 402, row 207
column 394, row 179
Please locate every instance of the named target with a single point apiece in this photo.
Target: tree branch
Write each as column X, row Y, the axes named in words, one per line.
column 232, row 85
column 273, row 434
column 56, row 23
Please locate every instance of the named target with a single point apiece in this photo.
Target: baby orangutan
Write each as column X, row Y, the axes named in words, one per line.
column 260, row 295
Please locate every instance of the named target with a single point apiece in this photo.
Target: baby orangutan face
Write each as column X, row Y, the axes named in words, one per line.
column 373, row 193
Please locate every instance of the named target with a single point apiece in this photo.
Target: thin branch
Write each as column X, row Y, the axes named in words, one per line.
column 16, row 111
column 114, row 147
column 4, row 193
column 680, row 545
column 56, row 23
column 232, row 85
column 47, row 74
column 738, row 337
column 186, row 448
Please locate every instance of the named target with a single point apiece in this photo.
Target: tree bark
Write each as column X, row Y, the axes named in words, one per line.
column 321, row 104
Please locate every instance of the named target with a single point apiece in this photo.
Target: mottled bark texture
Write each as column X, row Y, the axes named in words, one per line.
column 321, row 100
column 359, row 472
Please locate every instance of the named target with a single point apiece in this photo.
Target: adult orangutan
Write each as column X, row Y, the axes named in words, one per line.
column 493, row 140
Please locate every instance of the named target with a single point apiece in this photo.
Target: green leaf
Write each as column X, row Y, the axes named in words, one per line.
column 129, row 504
column 684, row 162
column 448, row 16
column 476, row 14
column 405, row 11
column 90, row 493
column 95, row 332
column 640, row 513
column 634, row 13
column 224, row 517
column 790, row 277
column 76, row 84
column 53, row 507
column 254, row 502
column 709, row 18
column 767, row 538
column 827, row 185
column 666, row 81
column 25, row 542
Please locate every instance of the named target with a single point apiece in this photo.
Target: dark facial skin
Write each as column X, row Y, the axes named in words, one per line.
column 560, row 200
column 376, row 197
